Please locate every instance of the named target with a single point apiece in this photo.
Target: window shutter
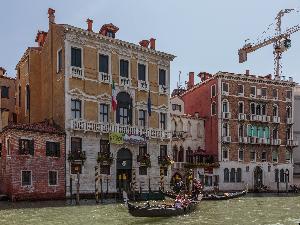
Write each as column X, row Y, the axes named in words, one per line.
column 58, row 149
column 31, row 147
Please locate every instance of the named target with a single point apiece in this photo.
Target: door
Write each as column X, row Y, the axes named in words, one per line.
column 258, row 178
column 124, row 169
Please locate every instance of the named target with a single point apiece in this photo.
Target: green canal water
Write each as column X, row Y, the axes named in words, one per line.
column 247, row 210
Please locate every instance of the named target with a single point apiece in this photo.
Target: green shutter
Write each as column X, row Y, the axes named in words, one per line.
column 254, row 132
column 31, row 148
column 267, row 132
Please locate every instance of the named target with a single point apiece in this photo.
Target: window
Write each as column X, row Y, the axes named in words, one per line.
column 208, row 181
column 275, row 110
column 263, row 110
column 258, row 109
column 103, row 63
column 252, row 91
column 288, row 134
column 287, row 155
column 213, row 90
column 275, row 134
column 225, row 107
column 252, row 156
column 241, row 107
column 162, row 77
column 0, row 150
column 163, row 121
column 241, row 130
column 20, row 96
column 7, row 144
column 252, row 108
column 124, row 119
column 232, row 175
column 226, row 175
column 77, row 168
column 264, row 156
column 275, row 93
column 213, row 108
column 76, row 57
column 59, row 61
column 52, row 178
column 124, row 108
column 52, row 149
column 26, row 178
column 239, row 175
column 289, row 95
column 142, row 72
column 124, row 68
column 176, row 107
column 275, row 156
column 105, row 169
column 241, row 154
column 289, row 112
column 142, row 149
column 27, row 98
column 104, row 146
column 4, row 92
column 282, row 176
column 104, row 113
column 225, row 130
column 142, row 170
column 76, row 145
column 264, row 92
column 225, row 154
column 163, row 150
column 225, row 87
column 76, row 108
column 240, row 89
column 276, row 175
column 142, row 118
column 110, row 33
column 26, row 147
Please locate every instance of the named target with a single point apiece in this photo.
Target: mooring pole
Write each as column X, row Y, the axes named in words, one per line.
column 96, row 186
column 101, row 190
column 78, row 186
column 71, row 188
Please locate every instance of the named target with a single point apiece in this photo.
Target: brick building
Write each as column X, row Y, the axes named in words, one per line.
column 69, row 78
column 32, row 162
column 249, row 125
column 7, row 101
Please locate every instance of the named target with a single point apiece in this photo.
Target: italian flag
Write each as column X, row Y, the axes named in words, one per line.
column 113, row 97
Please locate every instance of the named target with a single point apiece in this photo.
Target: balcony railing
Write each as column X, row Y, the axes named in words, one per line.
column 144, row 160
column 243, row 140
column 276, row 119
column 292, row 143
column 252, row 140
column 179, row 134
column 124, row 81
column 76, row 156
column 289, row 120
column 143, row 85
column 178, row 165
column 253, row 117
column 104, row 77
column 105, row 158
column 163, row 89
column 265, row 118
column 276, row 142
column 226, row 115
column 77, row 72
column 165, row 161
column 226, row 139
column 242, row 116
column 87, row 126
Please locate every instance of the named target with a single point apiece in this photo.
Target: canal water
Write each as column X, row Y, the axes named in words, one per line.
column 270, row 209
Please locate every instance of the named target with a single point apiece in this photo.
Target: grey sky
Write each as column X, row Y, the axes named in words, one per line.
column 204, row 35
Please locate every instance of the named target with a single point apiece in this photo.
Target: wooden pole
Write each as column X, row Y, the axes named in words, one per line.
column 96, row 184
column 71, row 188
column 78, row 186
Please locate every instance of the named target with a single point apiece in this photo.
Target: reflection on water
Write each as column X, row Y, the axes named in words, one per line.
column 247, row 210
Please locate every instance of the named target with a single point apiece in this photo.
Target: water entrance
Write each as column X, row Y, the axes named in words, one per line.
column 124, row 169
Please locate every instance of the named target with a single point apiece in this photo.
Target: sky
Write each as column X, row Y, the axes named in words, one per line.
column 204, row 35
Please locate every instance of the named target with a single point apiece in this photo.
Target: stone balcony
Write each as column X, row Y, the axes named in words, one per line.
column 77, row 72
column 90, row 126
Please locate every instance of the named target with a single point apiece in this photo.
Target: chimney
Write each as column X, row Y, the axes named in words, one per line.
column 144, row 43
column 197, row 114
column 247, row 72
column 51, row 16
column 90, row 24
column 2, row 71
column 152, row 43
column 40, row 38
column 191, row 80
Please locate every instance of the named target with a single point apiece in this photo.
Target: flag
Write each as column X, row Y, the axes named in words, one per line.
column 149, row 104
column 113, row 97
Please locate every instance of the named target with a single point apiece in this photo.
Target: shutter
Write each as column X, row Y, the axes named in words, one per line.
column 254, row 131
column 48, row 149
column 58, row 149
column 31, row 147
column 73, row 58
column 78, row 57
column 267, row 132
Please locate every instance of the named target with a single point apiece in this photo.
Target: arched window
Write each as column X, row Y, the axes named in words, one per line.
column 287, row 176
column 282, row 176
column 241, row 107
column 239, row 175
column 27, row 98
column 213, row 108
column 258, row 109
column 275, row 134
column 289, row 112
column 226, row 175
column 179, row 126
column 252, row 108
column 263, row 110
column 189, row 128
column 276, row 175
column 241, row 130
column 181, row 154
column 266, row 132
column 249, row 130
column 189, row 155
column 275, row 110
column 288, row 134
column 260, row 133
column 232, row 175
column 173, row 125
column 225, row 106
column 199, row 131
column 124, row 109
column 175, row 153
column 225, row 130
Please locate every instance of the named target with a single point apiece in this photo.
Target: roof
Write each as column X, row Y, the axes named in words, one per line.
column 42, row 127
column 26, row 53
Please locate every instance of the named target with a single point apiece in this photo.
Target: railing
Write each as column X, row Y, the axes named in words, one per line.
column 124, row 81
column 76, row 156
column 242, row 116
column 86, row 126
column 265, row 118
column 225, row 93
column 105, row 77
column 164, row 161
column 276, row 119
column 178, row 165
column 243, row 140
column 226, row 115
column 265, row 141
column 292, row 143
column 253, row 117
column 226, row 139
column 289, row 120
column 77, row 72
column 252, row 140
column 163, row 89
column 179, row 134
column 144, row 160
column 276, row 142
column 105, row 158
column 143, row 85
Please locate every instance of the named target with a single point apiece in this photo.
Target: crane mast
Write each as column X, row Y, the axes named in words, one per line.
column 280, row 41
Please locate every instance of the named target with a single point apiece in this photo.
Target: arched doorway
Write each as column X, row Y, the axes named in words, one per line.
column 258, row 178
column 124, row 168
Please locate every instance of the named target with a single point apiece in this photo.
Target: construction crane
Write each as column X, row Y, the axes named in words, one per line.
column 281, row 42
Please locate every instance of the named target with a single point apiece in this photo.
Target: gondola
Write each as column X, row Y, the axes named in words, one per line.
column 159, row 211
column 209, row 197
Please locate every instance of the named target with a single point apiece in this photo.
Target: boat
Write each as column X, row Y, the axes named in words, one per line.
column 159, row 210
column 224, row 196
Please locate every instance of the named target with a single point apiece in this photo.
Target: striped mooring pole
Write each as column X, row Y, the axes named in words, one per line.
column 96, row 184
column 162, row 176
column 133, row 182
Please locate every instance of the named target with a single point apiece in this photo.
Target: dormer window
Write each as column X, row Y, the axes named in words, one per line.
column 110, row 34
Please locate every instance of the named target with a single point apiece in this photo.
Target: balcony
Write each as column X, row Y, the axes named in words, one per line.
column 265, row 141
column 105, row 158
column 179, row 134
column 226, row 115
column 252, row 117
column 252, row 140
column 242, row 116
column 143, row 85
column 265, row 118
column 276, row 142
column 144, row 160
column 243, row 140
column 289, row 120
column 104, row 77
column 89, row 126
column 165, row 161
column 258, row 117
column 77, row 72
column 292, row 143
column 124, row 81
column 259, row 140
column 225, row 93
column 163, row 89
column 76, row 156
column 178, row 165
column 226, row 139
column 276, row 119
